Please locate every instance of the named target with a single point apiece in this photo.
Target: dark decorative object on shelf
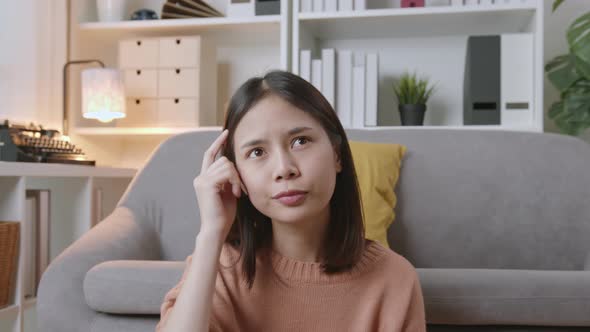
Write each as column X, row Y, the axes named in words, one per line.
column 412, row 3
column 144, row 14
column 267, row 7
column 412, row 114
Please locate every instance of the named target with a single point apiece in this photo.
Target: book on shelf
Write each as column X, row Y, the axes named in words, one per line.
column 328, row 73
column 349, row 80
column 306, row 6
column 199, row 5
column 345, row 5
column 188, row 9
column 360, row 4
column 344, row 87
column 318, row 5
column 331, row 5
column 37, row 237
column 316, row 73
column 371, row 87
column 358, row 95
column 305, row 65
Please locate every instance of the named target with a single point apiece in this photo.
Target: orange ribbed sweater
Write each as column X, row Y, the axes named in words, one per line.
column 382, row 293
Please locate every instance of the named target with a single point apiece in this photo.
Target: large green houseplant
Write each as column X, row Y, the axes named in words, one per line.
column 412, row 94
column 570, row 74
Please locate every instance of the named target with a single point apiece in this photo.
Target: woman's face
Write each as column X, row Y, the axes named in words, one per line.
column 278, row 147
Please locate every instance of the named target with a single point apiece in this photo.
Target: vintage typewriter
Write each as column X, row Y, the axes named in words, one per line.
column 34, row 144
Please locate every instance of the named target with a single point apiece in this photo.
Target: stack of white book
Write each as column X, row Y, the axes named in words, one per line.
column 348, row 80
column 309, row 6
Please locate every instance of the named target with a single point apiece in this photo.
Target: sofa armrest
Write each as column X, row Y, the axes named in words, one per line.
column 131, row 287
column 61, row 306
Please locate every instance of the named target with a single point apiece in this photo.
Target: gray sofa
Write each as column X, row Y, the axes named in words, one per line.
column 497, row 224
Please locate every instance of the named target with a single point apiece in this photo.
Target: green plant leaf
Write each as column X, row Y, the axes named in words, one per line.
column 582, row 67
column 572, row 113
column 577, row 102
column 578, row 38
column 556, row 4
column 561, row 71
column 412, row 90
column 555, row 109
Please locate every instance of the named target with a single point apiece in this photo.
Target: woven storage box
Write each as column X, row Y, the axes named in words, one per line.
column 9, row 240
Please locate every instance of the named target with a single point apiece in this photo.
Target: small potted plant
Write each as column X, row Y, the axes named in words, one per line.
column 412, row 94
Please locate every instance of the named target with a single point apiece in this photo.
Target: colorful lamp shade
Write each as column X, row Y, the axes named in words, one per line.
column 103, row 94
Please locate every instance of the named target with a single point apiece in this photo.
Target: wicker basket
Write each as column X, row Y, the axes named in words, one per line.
column 9, row 240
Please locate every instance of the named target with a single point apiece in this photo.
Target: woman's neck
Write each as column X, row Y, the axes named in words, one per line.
column 303, row 241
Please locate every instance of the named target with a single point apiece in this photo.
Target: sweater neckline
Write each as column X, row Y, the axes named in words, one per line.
column 302, row 271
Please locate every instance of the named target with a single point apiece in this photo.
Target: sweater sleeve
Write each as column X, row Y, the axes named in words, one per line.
column 222, row 317
column 171, row 296
column 415, row 320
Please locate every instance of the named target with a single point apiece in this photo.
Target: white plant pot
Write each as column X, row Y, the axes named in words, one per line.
column 110, row 10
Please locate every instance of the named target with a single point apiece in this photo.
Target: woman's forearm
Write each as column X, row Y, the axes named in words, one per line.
column 192, row 309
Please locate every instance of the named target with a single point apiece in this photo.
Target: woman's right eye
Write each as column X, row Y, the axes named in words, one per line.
column 253, row 151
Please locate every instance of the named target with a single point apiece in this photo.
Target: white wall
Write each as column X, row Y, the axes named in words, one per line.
column 33, row 39
column 556, row 25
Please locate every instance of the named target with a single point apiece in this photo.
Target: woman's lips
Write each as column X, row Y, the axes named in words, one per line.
column 292, row 200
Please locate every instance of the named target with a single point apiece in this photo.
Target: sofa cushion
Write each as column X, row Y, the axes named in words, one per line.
column 377, row 167
column 130, row 286
column 506, row 297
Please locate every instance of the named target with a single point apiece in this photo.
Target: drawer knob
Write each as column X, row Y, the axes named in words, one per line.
column 178, row 71
column 139, row 43
column 137, row 101
column 177, row 41
column 138, row 72
column 176, row 100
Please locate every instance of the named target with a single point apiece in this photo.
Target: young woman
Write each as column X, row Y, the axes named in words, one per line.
column 281, row 245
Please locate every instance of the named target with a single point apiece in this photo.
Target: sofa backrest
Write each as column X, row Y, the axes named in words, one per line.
column 466, row 198
column 490, row 198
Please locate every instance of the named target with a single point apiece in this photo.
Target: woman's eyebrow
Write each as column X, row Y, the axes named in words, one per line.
column 293, row 131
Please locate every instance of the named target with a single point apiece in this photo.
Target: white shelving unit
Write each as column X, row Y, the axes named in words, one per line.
column 73, row 211
column 430, row 41
column 246, row 46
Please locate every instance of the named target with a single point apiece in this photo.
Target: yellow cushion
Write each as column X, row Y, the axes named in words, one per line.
column 377, row 168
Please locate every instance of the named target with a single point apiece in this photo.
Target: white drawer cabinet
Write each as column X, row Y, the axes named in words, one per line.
column 141, row 83
column 175, row 83
column 140, row 113
column 138, row 53
column 180, row 112
column 180, row 82
column 179, row 52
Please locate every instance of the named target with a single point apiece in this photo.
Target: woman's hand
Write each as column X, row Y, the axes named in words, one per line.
column 218, row 188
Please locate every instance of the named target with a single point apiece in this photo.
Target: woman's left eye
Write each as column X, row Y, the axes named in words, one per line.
column 302, row 138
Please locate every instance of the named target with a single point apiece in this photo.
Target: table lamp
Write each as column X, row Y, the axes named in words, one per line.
column 103, row 93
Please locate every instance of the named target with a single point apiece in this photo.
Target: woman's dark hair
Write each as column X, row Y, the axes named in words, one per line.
column 251, row 231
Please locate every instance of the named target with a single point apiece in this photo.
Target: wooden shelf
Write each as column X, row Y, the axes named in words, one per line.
column 175, row 25
column 419, row 22
column 139, row 131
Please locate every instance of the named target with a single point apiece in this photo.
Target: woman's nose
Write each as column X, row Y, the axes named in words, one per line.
column 285, row 167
